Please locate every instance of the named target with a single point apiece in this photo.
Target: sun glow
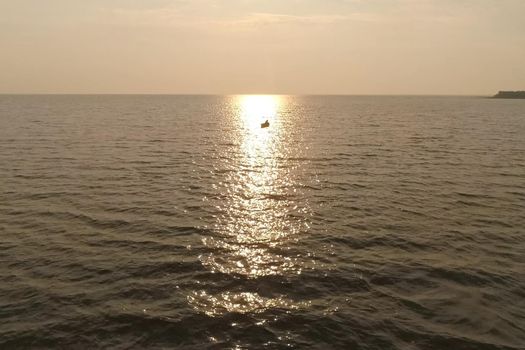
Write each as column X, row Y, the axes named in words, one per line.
column 256, row 109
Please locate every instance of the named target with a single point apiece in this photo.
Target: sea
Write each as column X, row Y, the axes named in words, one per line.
column 177, row 222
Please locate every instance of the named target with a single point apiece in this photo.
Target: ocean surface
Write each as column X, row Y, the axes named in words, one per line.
column 352, row 222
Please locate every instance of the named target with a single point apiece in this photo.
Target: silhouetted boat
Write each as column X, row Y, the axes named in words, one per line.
column 265, row 124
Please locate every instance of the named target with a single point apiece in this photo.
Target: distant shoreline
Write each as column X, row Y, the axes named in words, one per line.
column 510, row 94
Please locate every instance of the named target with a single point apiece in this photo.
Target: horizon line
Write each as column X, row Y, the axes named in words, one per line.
column 234, row 94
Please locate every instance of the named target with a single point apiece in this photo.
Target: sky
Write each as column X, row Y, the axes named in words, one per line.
column 443, row 47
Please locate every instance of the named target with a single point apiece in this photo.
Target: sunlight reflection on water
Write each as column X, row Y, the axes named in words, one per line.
column 257, row 227
column 244, row 302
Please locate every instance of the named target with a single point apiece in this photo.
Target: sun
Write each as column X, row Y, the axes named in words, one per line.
column 255, row 109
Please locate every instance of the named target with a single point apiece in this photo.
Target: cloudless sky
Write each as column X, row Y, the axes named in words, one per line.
column 472, row 47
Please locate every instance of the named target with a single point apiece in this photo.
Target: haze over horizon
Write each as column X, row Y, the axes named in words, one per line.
column 443, row 47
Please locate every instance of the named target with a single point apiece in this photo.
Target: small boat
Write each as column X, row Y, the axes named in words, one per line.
column 265, row 124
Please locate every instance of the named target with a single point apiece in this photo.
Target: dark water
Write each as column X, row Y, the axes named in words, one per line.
column 350, row 223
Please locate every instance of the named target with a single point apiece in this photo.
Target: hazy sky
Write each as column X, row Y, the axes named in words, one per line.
column 262, row 46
